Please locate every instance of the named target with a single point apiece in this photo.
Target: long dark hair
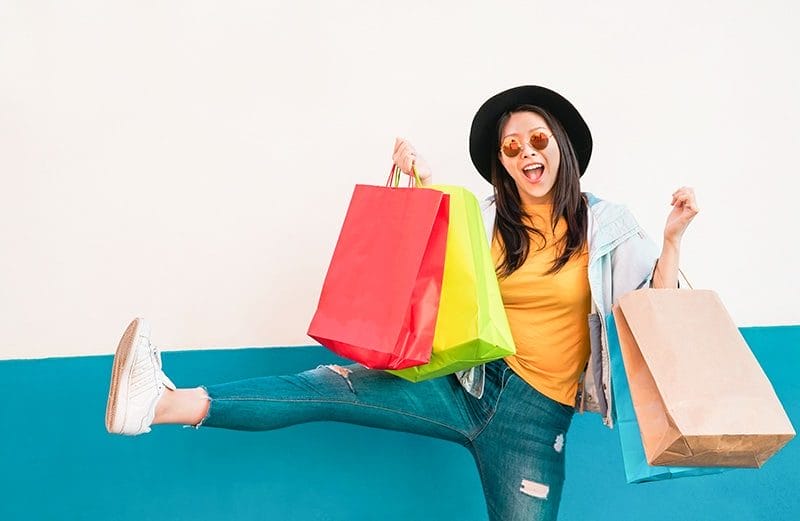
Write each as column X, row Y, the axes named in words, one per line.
column 568, row 202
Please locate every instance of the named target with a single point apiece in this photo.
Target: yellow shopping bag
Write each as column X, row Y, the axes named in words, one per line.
column 471, row 326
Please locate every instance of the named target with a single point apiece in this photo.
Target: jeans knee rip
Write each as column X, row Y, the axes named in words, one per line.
column 534, row 489
column 341, row 371
column 559, row 444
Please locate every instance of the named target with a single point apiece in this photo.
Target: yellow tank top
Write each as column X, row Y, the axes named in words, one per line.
column 548, row 313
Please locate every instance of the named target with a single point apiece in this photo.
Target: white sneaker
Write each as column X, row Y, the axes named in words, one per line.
column 137, row 382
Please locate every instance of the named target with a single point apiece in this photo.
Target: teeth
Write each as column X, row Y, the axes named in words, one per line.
column 532, row 167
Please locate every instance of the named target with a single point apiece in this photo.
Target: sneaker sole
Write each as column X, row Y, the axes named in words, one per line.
column 121, row 358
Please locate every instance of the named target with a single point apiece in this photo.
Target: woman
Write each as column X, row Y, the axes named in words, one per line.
column 561, row 256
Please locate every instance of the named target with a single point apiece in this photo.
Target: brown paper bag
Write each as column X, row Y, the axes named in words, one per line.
column 700, row 396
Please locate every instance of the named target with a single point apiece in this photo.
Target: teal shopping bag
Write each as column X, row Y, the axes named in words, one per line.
column 637, row 470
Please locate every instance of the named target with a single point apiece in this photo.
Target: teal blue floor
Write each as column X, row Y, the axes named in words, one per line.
column 57, row 462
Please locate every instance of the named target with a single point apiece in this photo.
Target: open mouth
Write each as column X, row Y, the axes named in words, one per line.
column 533, row 172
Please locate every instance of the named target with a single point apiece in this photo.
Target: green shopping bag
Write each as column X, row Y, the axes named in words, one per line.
column 471, row 326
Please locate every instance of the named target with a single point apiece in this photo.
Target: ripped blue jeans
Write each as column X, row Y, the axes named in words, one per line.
column 515, row 434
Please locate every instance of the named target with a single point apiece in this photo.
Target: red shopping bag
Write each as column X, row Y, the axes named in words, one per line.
column 380, row 298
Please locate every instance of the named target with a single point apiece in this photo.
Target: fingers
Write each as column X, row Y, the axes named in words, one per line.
column 406, row 158
column 404, row 155
column 684, row 197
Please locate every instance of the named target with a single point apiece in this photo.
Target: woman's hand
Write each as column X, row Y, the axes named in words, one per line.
column 405, row 156
column 684, row 208
column 683, row 211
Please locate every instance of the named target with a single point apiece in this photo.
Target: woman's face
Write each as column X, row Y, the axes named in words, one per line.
column 534, row 171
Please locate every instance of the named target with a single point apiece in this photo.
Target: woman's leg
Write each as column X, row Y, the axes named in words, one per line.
column 349, row 394
column 182, row 406
column 520, row 453
column 141, row 395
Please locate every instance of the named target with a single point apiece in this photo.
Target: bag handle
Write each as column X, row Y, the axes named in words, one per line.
column 395, row 173
column 685, row 279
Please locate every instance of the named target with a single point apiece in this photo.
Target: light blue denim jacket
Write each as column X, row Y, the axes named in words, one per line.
column 621, row 259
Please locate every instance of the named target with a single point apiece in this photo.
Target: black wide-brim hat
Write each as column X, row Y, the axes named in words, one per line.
column 483, row 136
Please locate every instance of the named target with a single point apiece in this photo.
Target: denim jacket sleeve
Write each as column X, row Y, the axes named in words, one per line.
column 622, row 258
column 632, row 264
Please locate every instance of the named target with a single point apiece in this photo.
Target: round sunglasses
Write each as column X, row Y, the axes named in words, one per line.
column 512, row 146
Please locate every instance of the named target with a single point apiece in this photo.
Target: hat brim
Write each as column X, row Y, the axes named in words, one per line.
column 483, row 139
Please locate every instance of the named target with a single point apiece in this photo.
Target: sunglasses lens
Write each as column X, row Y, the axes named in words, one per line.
column 511, row 147
column 539, row 140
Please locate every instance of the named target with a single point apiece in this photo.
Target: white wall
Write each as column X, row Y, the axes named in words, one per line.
column 192, row 161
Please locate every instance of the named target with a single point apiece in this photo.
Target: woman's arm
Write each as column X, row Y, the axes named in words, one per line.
column 684, row 209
